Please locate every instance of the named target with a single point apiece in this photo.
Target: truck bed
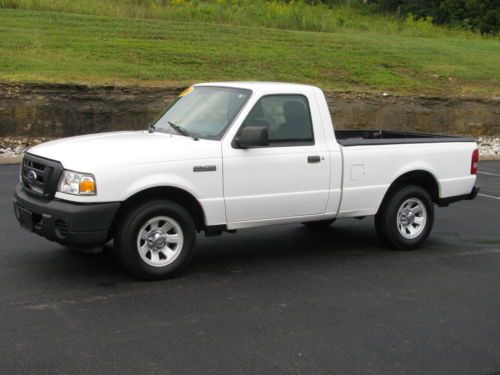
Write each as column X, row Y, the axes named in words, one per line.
column 385, row 137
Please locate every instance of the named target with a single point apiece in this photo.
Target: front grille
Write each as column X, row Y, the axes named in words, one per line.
column 40, row 176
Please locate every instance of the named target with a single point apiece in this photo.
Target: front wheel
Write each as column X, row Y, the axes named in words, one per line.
column 405, row 218
column 155, row 240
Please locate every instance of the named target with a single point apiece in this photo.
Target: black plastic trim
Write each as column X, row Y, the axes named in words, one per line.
column 443, row 202
column 215, row 230
column 389, row 137
column 87, row 224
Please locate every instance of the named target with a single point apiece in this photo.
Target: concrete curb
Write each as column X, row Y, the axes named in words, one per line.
column 4, row 160
column 489, row 157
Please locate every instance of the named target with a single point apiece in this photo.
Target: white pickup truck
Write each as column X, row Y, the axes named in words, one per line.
column 227, row 156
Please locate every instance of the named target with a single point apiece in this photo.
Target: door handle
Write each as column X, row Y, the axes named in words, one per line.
column 313, row 159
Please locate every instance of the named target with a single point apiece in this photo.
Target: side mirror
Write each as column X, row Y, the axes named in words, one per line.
column 253, row 136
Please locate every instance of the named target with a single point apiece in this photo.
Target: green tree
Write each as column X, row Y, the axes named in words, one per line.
column 474, row 15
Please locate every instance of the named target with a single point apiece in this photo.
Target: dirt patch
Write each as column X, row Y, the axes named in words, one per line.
column 41, row 110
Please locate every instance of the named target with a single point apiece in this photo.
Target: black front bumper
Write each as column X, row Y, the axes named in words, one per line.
column 71, row 224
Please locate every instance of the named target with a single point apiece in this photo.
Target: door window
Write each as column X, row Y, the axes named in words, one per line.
column 287, row 118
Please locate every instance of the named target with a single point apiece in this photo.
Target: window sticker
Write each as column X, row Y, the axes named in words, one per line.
column 186, row 91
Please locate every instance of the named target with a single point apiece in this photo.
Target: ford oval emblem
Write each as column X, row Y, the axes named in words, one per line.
column 32, row 177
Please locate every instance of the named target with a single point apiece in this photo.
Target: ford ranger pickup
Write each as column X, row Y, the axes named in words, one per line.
column 234, row 155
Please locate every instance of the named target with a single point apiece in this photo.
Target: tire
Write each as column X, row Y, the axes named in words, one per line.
column 405, row 218
column 319, row 224
column 155, row 239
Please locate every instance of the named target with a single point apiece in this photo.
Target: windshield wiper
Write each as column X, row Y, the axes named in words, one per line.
column 151, row 128
column 182, row 131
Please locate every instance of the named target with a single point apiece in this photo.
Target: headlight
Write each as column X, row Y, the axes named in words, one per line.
column 77, row 183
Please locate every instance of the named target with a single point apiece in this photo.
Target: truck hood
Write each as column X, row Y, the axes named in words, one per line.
column 89, row 153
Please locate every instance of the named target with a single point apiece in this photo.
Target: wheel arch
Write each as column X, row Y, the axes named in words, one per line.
column 425, row 179
column 174, row 194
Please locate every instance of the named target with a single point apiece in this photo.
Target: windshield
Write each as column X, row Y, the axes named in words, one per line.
column 203, row 112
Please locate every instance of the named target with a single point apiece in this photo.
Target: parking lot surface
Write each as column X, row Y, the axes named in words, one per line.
column 282, row 300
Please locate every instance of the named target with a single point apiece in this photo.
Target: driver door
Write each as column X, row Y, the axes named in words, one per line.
column 289, row 177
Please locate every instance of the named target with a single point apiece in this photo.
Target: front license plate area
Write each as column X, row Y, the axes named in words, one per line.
column 26, row 218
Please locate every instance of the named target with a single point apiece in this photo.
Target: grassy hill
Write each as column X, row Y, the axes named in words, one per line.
column 125, row 49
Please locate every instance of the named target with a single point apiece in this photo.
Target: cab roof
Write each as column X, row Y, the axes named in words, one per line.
column 256, row 85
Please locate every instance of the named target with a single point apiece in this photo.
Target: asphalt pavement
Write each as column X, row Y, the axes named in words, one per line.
column 280, row 300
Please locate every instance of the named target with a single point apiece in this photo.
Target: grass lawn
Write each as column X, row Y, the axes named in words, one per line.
column 39, row 46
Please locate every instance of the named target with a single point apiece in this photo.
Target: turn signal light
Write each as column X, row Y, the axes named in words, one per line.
column 87, row 186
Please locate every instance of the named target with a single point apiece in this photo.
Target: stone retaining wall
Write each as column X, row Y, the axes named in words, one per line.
column 66, row 110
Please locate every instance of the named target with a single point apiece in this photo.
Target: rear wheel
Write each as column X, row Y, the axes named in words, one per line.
column 319, row 224
column 155, row 240
column 405, row 218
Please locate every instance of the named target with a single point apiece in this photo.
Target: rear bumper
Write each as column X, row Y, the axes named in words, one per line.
column 443, row 202
column 473, row 194
column 71, row 224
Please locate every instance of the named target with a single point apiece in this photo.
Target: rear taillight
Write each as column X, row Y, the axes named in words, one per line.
column 474, row 162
